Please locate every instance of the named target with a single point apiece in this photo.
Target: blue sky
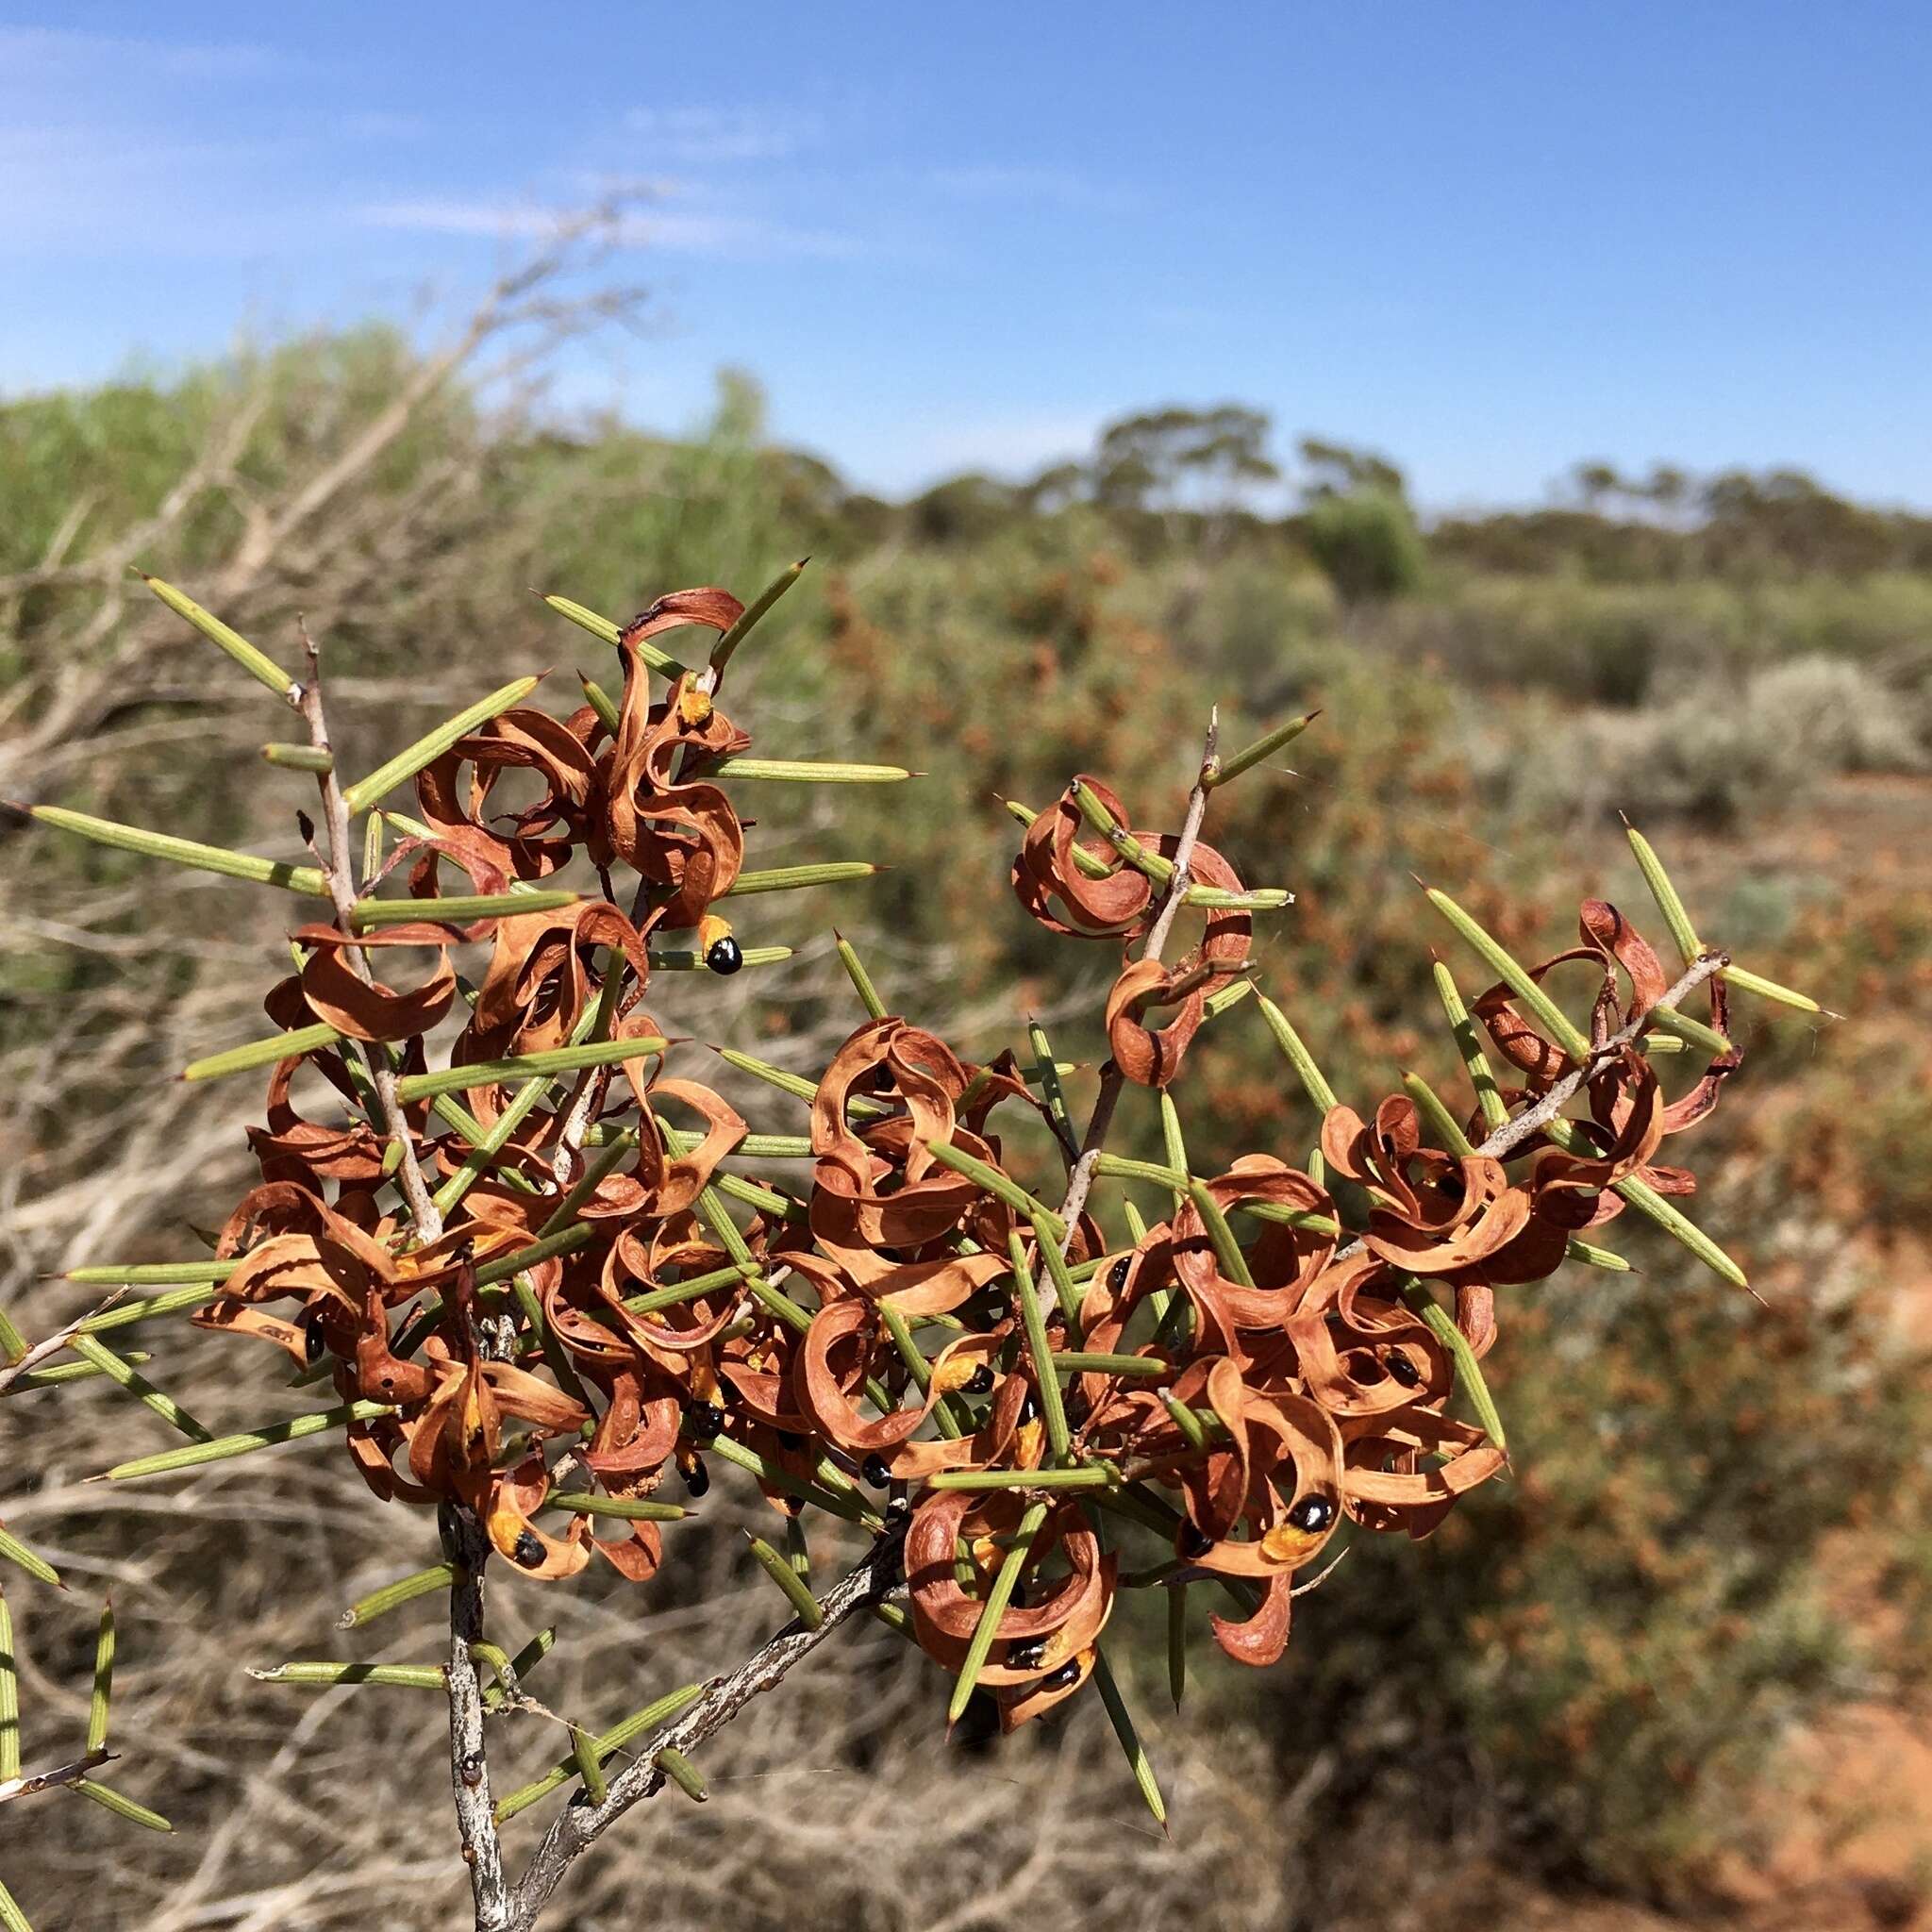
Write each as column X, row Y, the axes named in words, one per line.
column 1487, row 238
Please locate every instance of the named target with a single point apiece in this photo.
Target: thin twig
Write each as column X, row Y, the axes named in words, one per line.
column 60, row 1774
column 338, row 870
column 1111, row 1079
column 1519, row 1128
column 1195, row 977
column 468, row 1763
column 42, row 1351
column 581, row 1823
column 1513, row 1132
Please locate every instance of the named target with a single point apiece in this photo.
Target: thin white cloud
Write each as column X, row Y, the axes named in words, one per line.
column 80, row 189
column 710, row 136
column 47, row 50
column 1056, row 188
column 719, row 237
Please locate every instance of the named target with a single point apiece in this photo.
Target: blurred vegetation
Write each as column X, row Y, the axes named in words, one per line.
column 1598, row 1660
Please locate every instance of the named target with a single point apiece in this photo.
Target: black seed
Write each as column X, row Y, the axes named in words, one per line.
column 312, row 1343
column 703, row 1420
column 529, row 1550
column 1029, row 1410
column 980, row 1381
column 724, row 956
column 306, row 825
column 1069, row 1672
column 697, row 1479
column 875, row 1471
column 1194, row 1541
column 1312, row 1514
column 1117, row 1275
column 1024, row 1657
column 1403, row 1369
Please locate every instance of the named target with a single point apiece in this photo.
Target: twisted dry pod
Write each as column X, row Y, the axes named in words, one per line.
column 1257, row 1378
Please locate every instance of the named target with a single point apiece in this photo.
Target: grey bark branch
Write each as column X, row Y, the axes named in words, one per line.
column 581, row 1824
column 469, row 1764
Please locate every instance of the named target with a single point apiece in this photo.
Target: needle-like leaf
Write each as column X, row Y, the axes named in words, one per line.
column 755, row 612
column 392, row 1596
column 805, row 1607
column 556, row 1060
column 412, row 758
column 299, row 758
column 1122, row 1722
column 9, row 1697
column 588, row 1763
column 1677, row 920
column 997, row 1597
column 111, row 1800
column 790, row 878
column 1469, row 1372
column 1263, row 747
column 263, row 1052
column 683, row 959
column 104, row 1680
column 1299, row 1057
column 1087, row 1476
column 91, row 1349
column 328, row 1675
column 31, row 1561
column 809, row 772
column 257, row 663
column 1691, row 1032
column 368, row 914
column 1053, row 1408
column 659, row 1711
column 682, row 1772
column 1489, row 1097
column 305, row 879
column 1514, row 975
column 246, row 1443
column 998, row 1184
column 861, row 980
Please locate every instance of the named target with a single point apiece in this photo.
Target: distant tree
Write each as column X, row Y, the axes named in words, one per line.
column 1335, row 469
column 811, row 494
column 865, row 520
column 963, row 509
column 1786, row 520
column 1178, row 457
column 1668, row 487
column 1366, row 543
column 1056, row 488
column 1595, row 483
